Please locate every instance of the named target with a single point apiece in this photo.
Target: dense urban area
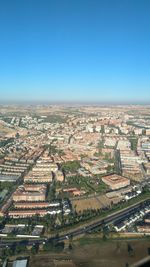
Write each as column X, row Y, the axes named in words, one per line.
column 71, row 174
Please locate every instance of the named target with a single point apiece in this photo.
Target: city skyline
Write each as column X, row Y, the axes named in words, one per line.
column 75, row 51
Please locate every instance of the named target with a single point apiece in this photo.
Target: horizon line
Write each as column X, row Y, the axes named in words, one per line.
column 74, row 102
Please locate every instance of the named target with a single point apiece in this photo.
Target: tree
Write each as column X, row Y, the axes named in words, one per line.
column 17, row 135
column 35, row 249
column 71, row 166
column 104, row 237
column 70, row 246
column 3, row 253
column 130, row 250
column 59, row 246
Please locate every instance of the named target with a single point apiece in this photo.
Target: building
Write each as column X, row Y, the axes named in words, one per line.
column 20, row 263
column 145, row 146
column 30, row 193
column 147, row 131
column 143, row 227
column 147, row 218
column 131, row 195
column 38, row 178
column 26, row 213
column 59, row 176
column 115, row 181
column 6, row 205
column 42, row 171
column 119, row 226
column 31, row 205
column 147, row 167
column 74, row 191
column 138, row 131
column 8, row 177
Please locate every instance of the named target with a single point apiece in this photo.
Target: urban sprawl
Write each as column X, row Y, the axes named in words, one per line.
column 62, row 167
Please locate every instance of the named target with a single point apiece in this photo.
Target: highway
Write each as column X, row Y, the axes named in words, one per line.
column 109, row 219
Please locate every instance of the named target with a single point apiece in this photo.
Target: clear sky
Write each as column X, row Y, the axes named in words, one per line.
column 75, row 50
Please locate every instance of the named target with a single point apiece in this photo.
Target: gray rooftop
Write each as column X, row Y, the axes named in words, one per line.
column 20, row 263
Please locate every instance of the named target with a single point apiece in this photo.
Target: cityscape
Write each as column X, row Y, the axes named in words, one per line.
column 74, row 133
column 69, row 171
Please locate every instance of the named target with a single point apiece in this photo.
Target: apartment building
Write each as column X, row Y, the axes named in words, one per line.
column 30, row 193
column 115, row 181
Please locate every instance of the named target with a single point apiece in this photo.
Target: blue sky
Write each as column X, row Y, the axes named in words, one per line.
column 75, row 50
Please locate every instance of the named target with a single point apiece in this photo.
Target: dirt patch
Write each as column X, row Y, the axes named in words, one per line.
column 89, row 252
column 111, row 253
column 93, row 203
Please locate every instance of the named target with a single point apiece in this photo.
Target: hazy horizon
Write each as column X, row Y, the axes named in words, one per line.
column 75, row 103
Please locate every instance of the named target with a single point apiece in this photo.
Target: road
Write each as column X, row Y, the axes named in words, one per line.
column 109, row 219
